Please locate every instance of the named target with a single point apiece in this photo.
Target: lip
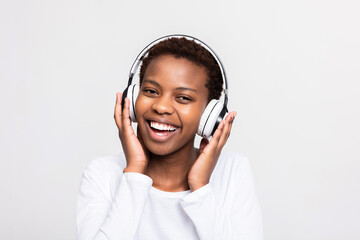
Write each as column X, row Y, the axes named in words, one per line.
column 161, row 138
column 164, row 121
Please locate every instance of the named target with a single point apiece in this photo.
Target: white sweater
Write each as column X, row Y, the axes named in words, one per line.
column 116, row 205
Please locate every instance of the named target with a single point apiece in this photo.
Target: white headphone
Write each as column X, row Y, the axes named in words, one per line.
column 214, row 111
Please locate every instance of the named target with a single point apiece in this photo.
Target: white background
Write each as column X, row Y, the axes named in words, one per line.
column 293, row 70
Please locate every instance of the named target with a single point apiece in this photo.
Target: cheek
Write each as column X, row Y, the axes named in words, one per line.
column 141, row 105
column 192, row 116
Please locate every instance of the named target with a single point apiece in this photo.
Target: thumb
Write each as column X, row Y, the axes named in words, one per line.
column 141, row 140
column 204, row 142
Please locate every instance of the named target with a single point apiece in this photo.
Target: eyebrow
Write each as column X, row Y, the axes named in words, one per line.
column 151, row 82
column 185, row 88
column 178, row 88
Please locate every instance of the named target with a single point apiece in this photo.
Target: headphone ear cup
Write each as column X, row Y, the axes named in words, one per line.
column 210, row 118
column 132, row 93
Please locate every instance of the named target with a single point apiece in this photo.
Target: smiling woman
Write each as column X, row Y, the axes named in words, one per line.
column 173, row 92
column 162, row 187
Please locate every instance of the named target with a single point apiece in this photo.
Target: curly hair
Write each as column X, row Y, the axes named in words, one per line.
column 192, row 51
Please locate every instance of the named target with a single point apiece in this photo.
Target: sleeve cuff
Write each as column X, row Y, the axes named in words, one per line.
column 138, row 177
column 198, row 194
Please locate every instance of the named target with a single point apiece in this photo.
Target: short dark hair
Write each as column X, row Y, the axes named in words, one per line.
column 192, row 51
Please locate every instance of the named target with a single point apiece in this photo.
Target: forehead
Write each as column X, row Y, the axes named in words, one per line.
column 169, row 70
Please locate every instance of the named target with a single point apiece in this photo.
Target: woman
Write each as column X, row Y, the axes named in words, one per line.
column 162, row 187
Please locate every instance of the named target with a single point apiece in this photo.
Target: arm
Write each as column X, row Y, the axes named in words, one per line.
column 101, row 216
column 239, row 216
column 106, row 215
column 204, row 211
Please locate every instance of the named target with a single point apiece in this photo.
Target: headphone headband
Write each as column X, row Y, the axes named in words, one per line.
column 214, row 111
column 144, row 52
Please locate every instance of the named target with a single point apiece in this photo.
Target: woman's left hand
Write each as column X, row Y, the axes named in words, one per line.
column 200, row 172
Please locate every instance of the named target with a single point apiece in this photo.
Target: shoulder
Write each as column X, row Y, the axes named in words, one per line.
column 102, row 175
column 233, row 181
column 107, row 164
column 232, row 161
column 231, row 168
column 236, row 190
column 105, row 169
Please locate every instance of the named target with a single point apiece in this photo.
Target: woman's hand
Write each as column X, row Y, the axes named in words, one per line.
column 137, row 156
column 200, row 172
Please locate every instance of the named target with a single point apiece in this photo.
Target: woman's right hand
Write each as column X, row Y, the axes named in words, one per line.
column 136, row 154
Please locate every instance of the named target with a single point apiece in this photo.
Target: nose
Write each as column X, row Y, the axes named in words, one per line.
column 163, row 105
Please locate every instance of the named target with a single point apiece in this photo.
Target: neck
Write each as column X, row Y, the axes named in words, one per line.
column 169, row 172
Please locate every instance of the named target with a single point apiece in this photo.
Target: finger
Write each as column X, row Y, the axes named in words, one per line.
column 139, row 136
column 231, row 120
column 117, row 110
column 227, row 128
column 141, row 140
column 224, row 134
column 214, row 141
column 204, row 142
column 126, row 117
column 231, row 123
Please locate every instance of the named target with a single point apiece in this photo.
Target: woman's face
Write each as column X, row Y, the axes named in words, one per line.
column 171, row 101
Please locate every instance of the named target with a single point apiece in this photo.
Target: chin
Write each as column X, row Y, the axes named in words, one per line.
column 166, row 144
column 160, row 149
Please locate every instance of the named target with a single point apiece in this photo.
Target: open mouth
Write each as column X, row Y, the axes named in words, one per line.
column 161, row 129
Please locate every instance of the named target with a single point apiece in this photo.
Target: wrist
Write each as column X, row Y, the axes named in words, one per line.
column 135, row 169
column 194, row 187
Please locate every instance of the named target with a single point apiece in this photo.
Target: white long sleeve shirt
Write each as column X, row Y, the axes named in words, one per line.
column 116, row 205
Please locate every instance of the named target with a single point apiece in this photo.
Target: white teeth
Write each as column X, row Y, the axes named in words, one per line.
column 161, row 126
column 162, row 134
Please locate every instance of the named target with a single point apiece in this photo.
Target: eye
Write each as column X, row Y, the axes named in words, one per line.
column 184, row 99
column 150, row 92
